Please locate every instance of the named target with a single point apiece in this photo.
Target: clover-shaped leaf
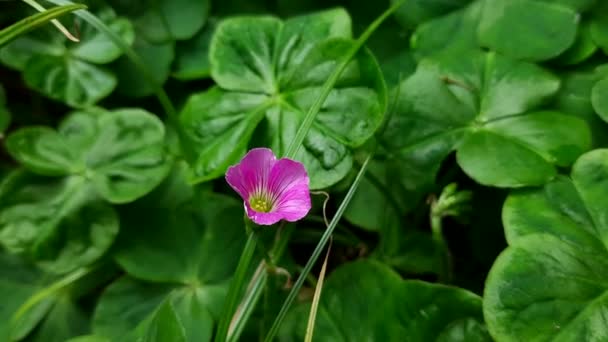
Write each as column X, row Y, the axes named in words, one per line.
column 421, row 311
column 121, row 153
column 190, row 268
column 272, row 71
column 549, row 284
column 62, row 222
column 482, row 106
column 66, row 71
column 58, row 222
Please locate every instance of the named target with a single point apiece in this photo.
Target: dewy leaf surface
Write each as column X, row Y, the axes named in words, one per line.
column 268, row 73
column 549, row 284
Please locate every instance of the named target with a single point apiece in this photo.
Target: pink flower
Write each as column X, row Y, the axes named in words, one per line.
column 272, row 189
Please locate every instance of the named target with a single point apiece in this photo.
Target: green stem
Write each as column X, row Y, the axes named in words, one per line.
column 257, row 286
column 442, row 247
column 264, row 251
column 317, row 252
column 264, row 323
column 236, row 285
column 296, row 143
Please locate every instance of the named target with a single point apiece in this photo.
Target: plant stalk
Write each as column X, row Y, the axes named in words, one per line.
column 236, row 286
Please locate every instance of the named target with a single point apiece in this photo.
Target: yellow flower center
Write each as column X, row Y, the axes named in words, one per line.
column 260, row 204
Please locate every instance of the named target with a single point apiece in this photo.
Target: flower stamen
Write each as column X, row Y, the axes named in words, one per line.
column 260, row 203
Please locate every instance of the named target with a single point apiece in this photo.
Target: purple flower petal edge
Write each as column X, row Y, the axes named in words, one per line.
column 250, row 171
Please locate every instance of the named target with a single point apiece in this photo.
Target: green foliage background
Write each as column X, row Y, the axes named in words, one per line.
column 116, row 223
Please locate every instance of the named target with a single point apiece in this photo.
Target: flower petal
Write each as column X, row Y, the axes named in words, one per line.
column 290, row 183
column 251, row 172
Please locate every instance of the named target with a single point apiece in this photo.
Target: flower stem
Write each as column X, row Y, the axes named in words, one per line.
column 442, row 247
column 236, row 285
column 257, row 284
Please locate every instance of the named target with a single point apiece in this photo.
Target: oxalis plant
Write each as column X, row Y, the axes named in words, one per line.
column 201, row 170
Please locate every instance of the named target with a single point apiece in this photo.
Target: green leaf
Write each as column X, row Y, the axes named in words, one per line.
column 599, row 25
column 419, row 310
column 43, row 150
column 261, row 69
column 191, row 268
column 415, row 12
column 97, row 47
column 481, row 105
column 64, row 319
column 66, row 71
column 556, row 235
column 120, row 153
column 161, row 21
column 155, row 56
column 527, row 29
column 19, row 280
column 192, row 56
column 75, row 82
column 408, row 250
column 89, row 338
column 451, row 33
column 165, row 326
column 599, row 98
column 274, row 83
column 371, row 207
column 25, row 25
column 57, row 222
column 124, row 304
column 187, row 257
column 583, row 48
column 575, row 97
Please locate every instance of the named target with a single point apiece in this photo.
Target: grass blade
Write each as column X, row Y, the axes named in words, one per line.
column 317, row 252
column 25, row 25
column 312, row 318
column 236, row 284
column 296, row 143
